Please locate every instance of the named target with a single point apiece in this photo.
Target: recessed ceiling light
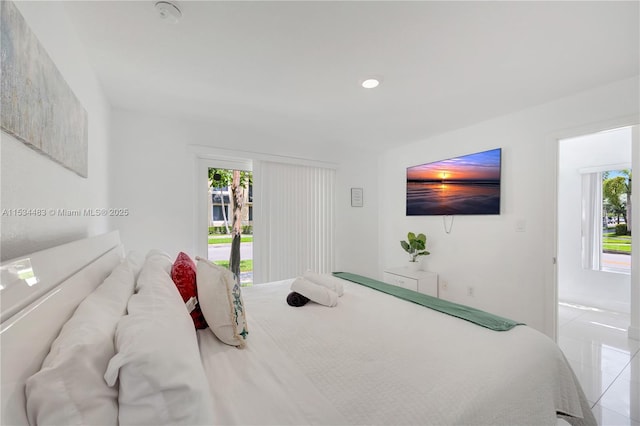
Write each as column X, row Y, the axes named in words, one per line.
column 168, row 12
column 370, row 83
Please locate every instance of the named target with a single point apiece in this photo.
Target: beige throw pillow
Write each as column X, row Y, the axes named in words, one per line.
column 221, row 303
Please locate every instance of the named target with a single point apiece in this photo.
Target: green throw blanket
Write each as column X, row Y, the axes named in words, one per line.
column 467, row 313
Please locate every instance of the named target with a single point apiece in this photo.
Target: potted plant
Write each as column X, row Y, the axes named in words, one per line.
column 415, row 246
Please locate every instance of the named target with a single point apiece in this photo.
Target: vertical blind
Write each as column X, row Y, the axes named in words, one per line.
column 591, row 220
column 293, row 220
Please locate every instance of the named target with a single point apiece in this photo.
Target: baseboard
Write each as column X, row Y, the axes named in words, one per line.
column 634, row 332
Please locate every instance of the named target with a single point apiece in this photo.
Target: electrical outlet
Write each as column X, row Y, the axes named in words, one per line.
column 444, row 285
column 470, row 291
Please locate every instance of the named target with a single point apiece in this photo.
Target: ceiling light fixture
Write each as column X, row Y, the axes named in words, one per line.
column 168, row 12
column 370, row 83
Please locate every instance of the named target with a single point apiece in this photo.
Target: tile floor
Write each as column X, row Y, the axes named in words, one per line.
column 605, row 360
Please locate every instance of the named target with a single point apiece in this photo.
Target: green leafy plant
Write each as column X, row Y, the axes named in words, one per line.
column 621, row 229
column 415, row 246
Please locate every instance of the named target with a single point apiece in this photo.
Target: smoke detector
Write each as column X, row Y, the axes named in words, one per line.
column 168, row 12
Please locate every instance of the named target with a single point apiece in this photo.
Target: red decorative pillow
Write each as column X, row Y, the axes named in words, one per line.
column 183, row 273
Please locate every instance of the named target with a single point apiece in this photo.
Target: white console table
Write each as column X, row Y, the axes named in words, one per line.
column 421, row 281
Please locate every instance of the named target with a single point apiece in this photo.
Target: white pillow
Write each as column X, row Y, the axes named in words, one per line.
column 70, row 388
column 162, row 381
column 136, row 260
column 156, row 252
column 221, row 303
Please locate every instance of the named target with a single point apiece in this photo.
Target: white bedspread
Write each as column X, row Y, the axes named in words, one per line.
column 376, row 359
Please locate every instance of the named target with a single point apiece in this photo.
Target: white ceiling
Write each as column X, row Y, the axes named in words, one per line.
column 290, row 71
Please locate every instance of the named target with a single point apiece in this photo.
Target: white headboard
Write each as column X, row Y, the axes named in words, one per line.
column 34, row 312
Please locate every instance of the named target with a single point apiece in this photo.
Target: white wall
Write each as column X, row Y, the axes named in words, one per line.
column 357, row 227
column 583, row 286
column 152, row 176
column 512, row 272
column 30, row 180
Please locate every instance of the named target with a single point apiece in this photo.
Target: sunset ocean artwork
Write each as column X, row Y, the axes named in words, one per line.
column 465, row 185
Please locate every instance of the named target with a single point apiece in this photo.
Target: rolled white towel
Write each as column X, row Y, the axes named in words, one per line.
column 315, row 292
column 326, row 280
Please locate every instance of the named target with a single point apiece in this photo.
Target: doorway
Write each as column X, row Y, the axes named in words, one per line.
column 594, row 269
column 594, row 220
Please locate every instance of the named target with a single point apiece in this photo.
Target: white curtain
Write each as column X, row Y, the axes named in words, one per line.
column 293, row 220
column 591, row 220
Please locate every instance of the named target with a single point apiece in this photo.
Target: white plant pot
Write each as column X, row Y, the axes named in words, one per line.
column 414, row 266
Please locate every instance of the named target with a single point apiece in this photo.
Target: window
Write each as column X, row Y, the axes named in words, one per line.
column 231, row 209
column 616, row 232
column 218, row 215
column 216, row 197
column 606, row 231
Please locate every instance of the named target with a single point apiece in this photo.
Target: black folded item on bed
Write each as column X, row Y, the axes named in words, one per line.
column 296, row 299
column 476, row 316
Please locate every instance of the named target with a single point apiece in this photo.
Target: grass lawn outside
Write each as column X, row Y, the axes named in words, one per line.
column 245, row 265
column 226, row 239
column 616, row 243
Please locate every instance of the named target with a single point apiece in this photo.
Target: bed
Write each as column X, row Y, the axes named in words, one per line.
column 372, row 359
